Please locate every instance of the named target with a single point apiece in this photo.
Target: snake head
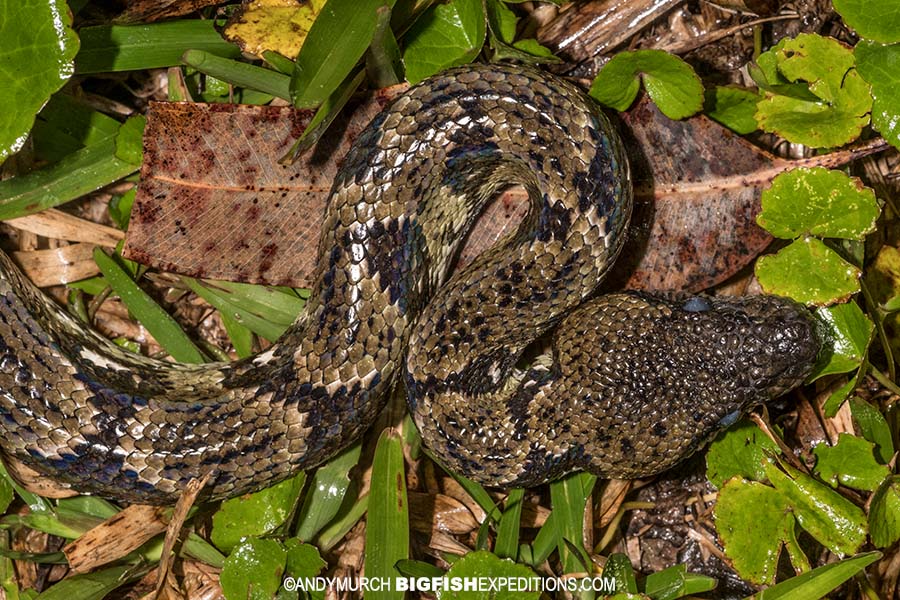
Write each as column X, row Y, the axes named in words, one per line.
column 771, row 342
column 675, row 370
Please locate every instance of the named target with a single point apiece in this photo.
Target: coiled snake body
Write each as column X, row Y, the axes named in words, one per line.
column 635, row 382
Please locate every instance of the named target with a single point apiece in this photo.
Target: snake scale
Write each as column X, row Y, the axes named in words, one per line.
column 632, row 385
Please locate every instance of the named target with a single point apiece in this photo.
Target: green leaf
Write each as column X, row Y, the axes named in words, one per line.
column 819, row 202
column 880, row 66
column 507, row 544
column 66, row 124
column 255, row 514
column 265, row 311
column 879, row 21
column 831, row 519
column 842, row 101
column 483, row 564
column 809, row 272
column 151, row 315
column 239, row 74
column 675, row 582
column 741, row 450
column 848, row 331
column 322, row 63
column 836, row 398
column 77, row 174
column 418, row 568
column 106, row 48
column 569, row 497
column 618, row 568
column 130, row 140
column 819, row 582
column 733, row 107
column 447, row 35
column 387, row 525
column 120, row 208
column 884, row 513
column 6, row 492
column 502, row 21
column 874, row 428
column 37, row 51
column 303, row 560
column 254, row 570
column 851, row 463
column 326, row 493
column 753, row 544
column 670, row 82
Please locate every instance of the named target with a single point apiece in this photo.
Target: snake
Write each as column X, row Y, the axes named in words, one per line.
column 516, row 371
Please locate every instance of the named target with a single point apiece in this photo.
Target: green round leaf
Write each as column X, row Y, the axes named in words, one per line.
column 884, row 513
column 37, row 56
column 879, row 21
column 485, row 564
column 819, row 202
column 733, row 107
column 839, row 105
column 255, row 514
column 303, row 560
column 874, row 427
column 447, row 35
column 848, row 331
column 254, row 570
column 809, row 272
column 850, row 462
column 831, row 519
column 754, row 521
column 741, row 450
column 670, row 82
column 880, row 66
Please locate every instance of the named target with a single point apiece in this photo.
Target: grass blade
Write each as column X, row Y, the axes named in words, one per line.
column 151, row 315
column 327, row 492
column 387, row 525
column 322, row 65
column 817, row 583
column 569, row 497
column 107, row 48
column 507, row 544
column 77, row 174
column 239, row 74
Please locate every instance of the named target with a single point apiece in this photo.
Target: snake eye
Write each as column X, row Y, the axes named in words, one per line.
column 696, row 304
column 729, row 419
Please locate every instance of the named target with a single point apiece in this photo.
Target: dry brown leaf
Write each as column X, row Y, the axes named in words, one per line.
column 56, row 266
column 215, row 203
column 610, row 500
column 442, row 542
column 116, row 537
column 534, row 515
column 147, row 11
column 697, row 188
column 213, row 200
column 59, row 225
column 429, row 512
